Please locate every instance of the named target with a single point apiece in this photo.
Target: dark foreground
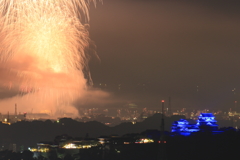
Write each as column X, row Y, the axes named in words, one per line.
column 202, row 145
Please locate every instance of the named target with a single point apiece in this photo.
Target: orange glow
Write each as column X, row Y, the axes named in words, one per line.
column 42, row 54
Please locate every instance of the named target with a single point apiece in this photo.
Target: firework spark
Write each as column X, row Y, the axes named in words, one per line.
column 42, row 49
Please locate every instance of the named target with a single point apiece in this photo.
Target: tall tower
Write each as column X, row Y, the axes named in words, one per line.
column 15, row 109
column 162, row 154
column 162, row 122
column 8, row 117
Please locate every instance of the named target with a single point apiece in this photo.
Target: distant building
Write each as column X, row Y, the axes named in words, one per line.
column 11, row 118
column 183, row 127
column 205, row 122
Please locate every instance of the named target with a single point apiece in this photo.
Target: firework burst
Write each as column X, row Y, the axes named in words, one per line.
column 42, row 47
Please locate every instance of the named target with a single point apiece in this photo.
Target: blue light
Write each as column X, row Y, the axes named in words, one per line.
column 205, row 121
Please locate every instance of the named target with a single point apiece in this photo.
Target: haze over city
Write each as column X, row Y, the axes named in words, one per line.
column 149, row 50
column 155, row 49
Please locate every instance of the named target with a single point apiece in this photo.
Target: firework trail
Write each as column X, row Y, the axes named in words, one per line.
column 42, row 49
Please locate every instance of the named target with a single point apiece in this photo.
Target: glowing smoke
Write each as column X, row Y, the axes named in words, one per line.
column 42, row 51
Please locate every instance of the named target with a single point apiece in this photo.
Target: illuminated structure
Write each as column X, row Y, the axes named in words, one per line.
column 81, row 144
column 70, row 146
column 43, row 147
column 205, row 122
column 183, row 127
column 144, row 140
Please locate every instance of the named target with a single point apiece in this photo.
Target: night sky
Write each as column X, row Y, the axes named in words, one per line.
column 146, row 51
column 156, row 49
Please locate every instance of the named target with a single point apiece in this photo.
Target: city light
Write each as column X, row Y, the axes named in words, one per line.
column 145, row 140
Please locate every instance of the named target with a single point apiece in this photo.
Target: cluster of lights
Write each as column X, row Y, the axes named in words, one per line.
column 70, row 146
column 145, row 140
column 6, row 121
column 78, row 146
column 42, row 150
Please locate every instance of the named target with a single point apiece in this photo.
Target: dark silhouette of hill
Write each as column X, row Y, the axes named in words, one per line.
column 152, row 122
column 29, row 133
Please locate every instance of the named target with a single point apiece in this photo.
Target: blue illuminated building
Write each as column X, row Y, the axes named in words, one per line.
column 205, row 122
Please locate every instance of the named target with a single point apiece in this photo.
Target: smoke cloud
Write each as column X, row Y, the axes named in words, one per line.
column 44, row 67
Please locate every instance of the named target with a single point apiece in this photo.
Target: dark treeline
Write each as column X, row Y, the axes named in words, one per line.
column 26, row 133
column 199, row 146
